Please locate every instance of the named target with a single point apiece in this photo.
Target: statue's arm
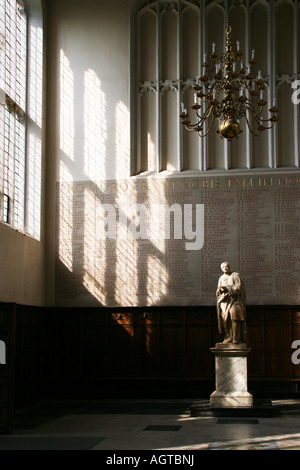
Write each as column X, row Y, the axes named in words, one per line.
column 218, row 292
column 236, row 288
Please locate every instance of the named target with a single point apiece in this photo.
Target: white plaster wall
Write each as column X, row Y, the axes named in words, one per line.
column 88, row 121
column 22, row 268
column 89, row 80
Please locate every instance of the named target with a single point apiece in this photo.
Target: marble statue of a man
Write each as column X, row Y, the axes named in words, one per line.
column 231, row 306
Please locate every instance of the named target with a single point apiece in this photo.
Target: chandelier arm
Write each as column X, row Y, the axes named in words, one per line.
column 252, row 111
column 249, row 127
column 209, row 127
column 240, row 110
column 265, row 120
column 265, row 127
column 205, row 115
column 193, row 127
column 259, row 124
column 259, row 120
column 190, row 127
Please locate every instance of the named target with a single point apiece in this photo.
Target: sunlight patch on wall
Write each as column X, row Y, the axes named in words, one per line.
column 94, row 250
column 67, row 125
column 157, row 198
column 65, row 237
column 127, row 252
column 95, row 126
column 34, row 185
column 157, row 280
column 151, row 153
column 122, row 140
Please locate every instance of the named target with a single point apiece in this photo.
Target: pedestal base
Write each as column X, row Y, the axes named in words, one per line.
column 231, row 376
column 233, row 399
column 259, row 409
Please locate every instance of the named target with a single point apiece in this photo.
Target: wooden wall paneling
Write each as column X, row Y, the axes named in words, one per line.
column 7, row 370
column 67, row 343
column 121, row 344
column 93, row 355
column 30, row 352
column 198, row 343
column 278, row 343
column 172, row 344
column 58, row 347
column 23, row 338
column 48, row 342
column 28, row 331
column 146, row 344
column 215, row 337
column 255, row 341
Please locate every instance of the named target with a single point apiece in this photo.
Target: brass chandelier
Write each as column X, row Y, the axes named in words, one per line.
column 227, row 93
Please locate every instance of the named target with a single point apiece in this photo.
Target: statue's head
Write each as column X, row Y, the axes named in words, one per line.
column 225, row 267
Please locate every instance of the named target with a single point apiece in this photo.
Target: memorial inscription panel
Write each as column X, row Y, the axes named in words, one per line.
column 113, row 250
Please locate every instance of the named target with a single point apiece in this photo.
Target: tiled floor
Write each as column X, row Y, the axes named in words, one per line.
column 149, row 425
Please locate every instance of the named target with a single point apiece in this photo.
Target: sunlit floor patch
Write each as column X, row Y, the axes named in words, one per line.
column 237, row 421
column 244, row 445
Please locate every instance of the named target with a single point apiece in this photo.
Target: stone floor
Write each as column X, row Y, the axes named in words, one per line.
column 156, row 425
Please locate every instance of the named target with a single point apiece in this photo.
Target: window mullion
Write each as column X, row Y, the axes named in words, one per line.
column 272, row 84
column 158, row 97
column 247, row 49
column 296, row 65
column 179, row 79
column 225, row 142
column 3, row 110
column 204, row 142
column 26, row 161
column 201, row 26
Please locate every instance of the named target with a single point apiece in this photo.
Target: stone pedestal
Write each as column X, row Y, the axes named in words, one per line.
column 231, row 376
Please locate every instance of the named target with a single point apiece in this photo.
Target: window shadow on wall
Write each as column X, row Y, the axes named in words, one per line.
column 122, row 270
